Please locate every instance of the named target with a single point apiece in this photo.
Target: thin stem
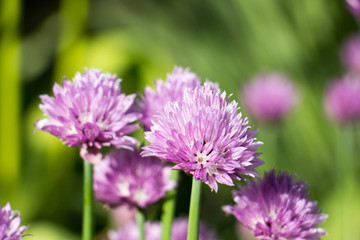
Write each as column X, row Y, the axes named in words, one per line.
column 346, row 153
column 88, row 200
column 271, row 136
column 140, row 219
column 193, row 226
column 10, row 92
column 169, row 208
column 346, row 175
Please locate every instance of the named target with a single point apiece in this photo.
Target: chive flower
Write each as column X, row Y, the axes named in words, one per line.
column 270, row 97
column 354, row 7
column 277, row 207
column 90, row 112
column 153, row 231
column 10, row 228
column 350, row 53
column 124, row 177
column 204, row 135
column 342, row 99
column 170, row 90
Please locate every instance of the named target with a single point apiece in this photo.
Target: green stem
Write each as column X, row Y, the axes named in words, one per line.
column 346, row 175
column 272, row 144
column 193, row 226
column 169, row 208
column 140, row 219
column 88, row 200
column 346, row 153
column 10, row 92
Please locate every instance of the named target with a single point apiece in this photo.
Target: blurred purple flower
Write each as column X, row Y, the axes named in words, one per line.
column 90, row 112
column 124, row 177
column 10, row 228
column 354, row 7
column 277, row 207
column 131, row 232
column 205, row 136
column 342, row 99
column 350, row 53
column 270, row 97
column 180, row 228
column 171, row 90
column 153, row 231
column 123, row 215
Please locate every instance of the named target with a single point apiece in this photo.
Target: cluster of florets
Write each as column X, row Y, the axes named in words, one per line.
column 342, row 99
column 124, row 177
column 10, row 228
column 350, row 53
column 354, row 7
column 205, row 136
column 153, row 231
column 90, row 112
column 277, row 207
column 170, row 90
column 270, row 97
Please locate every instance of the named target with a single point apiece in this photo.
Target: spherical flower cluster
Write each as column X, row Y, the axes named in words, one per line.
column 350, row 53
column 277, row 207
column 153, row 231
column 180, row 228
column 342, row 99
column 171, row 90
column 131, row 232
column 270, row 97
column 205, row 136
column 354, row 7
column 90, row 112
column 124, row 177
column 10, row 228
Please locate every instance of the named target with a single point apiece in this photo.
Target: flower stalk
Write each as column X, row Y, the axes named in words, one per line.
column 88, row 202
column 169, row 208
column 140, row 220
column 193, row 227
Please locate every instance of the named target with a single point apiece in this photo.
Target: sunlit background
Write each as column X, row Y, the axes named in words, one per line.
column 228, row 42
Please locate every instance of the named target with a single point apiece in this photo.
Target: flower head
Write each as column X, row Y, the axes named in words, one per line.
column 90, row 112
column 131, row 232
column 270, row 97
column 124, row 177
column 153, row 231
column 350, row 53
column 277, row 207
column 342, row 99
column 180, row 228
column 10, row 228
column 354, row 7
column 205, row 136
column 171, row 90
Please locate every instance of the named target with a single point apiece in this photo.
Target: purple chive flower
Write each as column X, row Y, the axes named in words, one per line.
column 124, row 177
column 171, row 90
column 205, row 136
column 277, row 207
column 342, row 99
column 350, row 53
column 354, row 7
column 131, row 232
column 90, row 112
column 270, row 97
column 180, row 228
column 10, row 228
column 153, row 231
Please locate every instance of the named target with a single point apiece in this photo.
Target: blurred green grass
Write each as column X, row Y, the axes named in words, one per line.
column 226, row 42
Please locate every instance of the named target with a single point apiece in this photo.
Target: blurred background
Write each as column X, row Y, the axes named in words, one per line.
column 228, row 42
